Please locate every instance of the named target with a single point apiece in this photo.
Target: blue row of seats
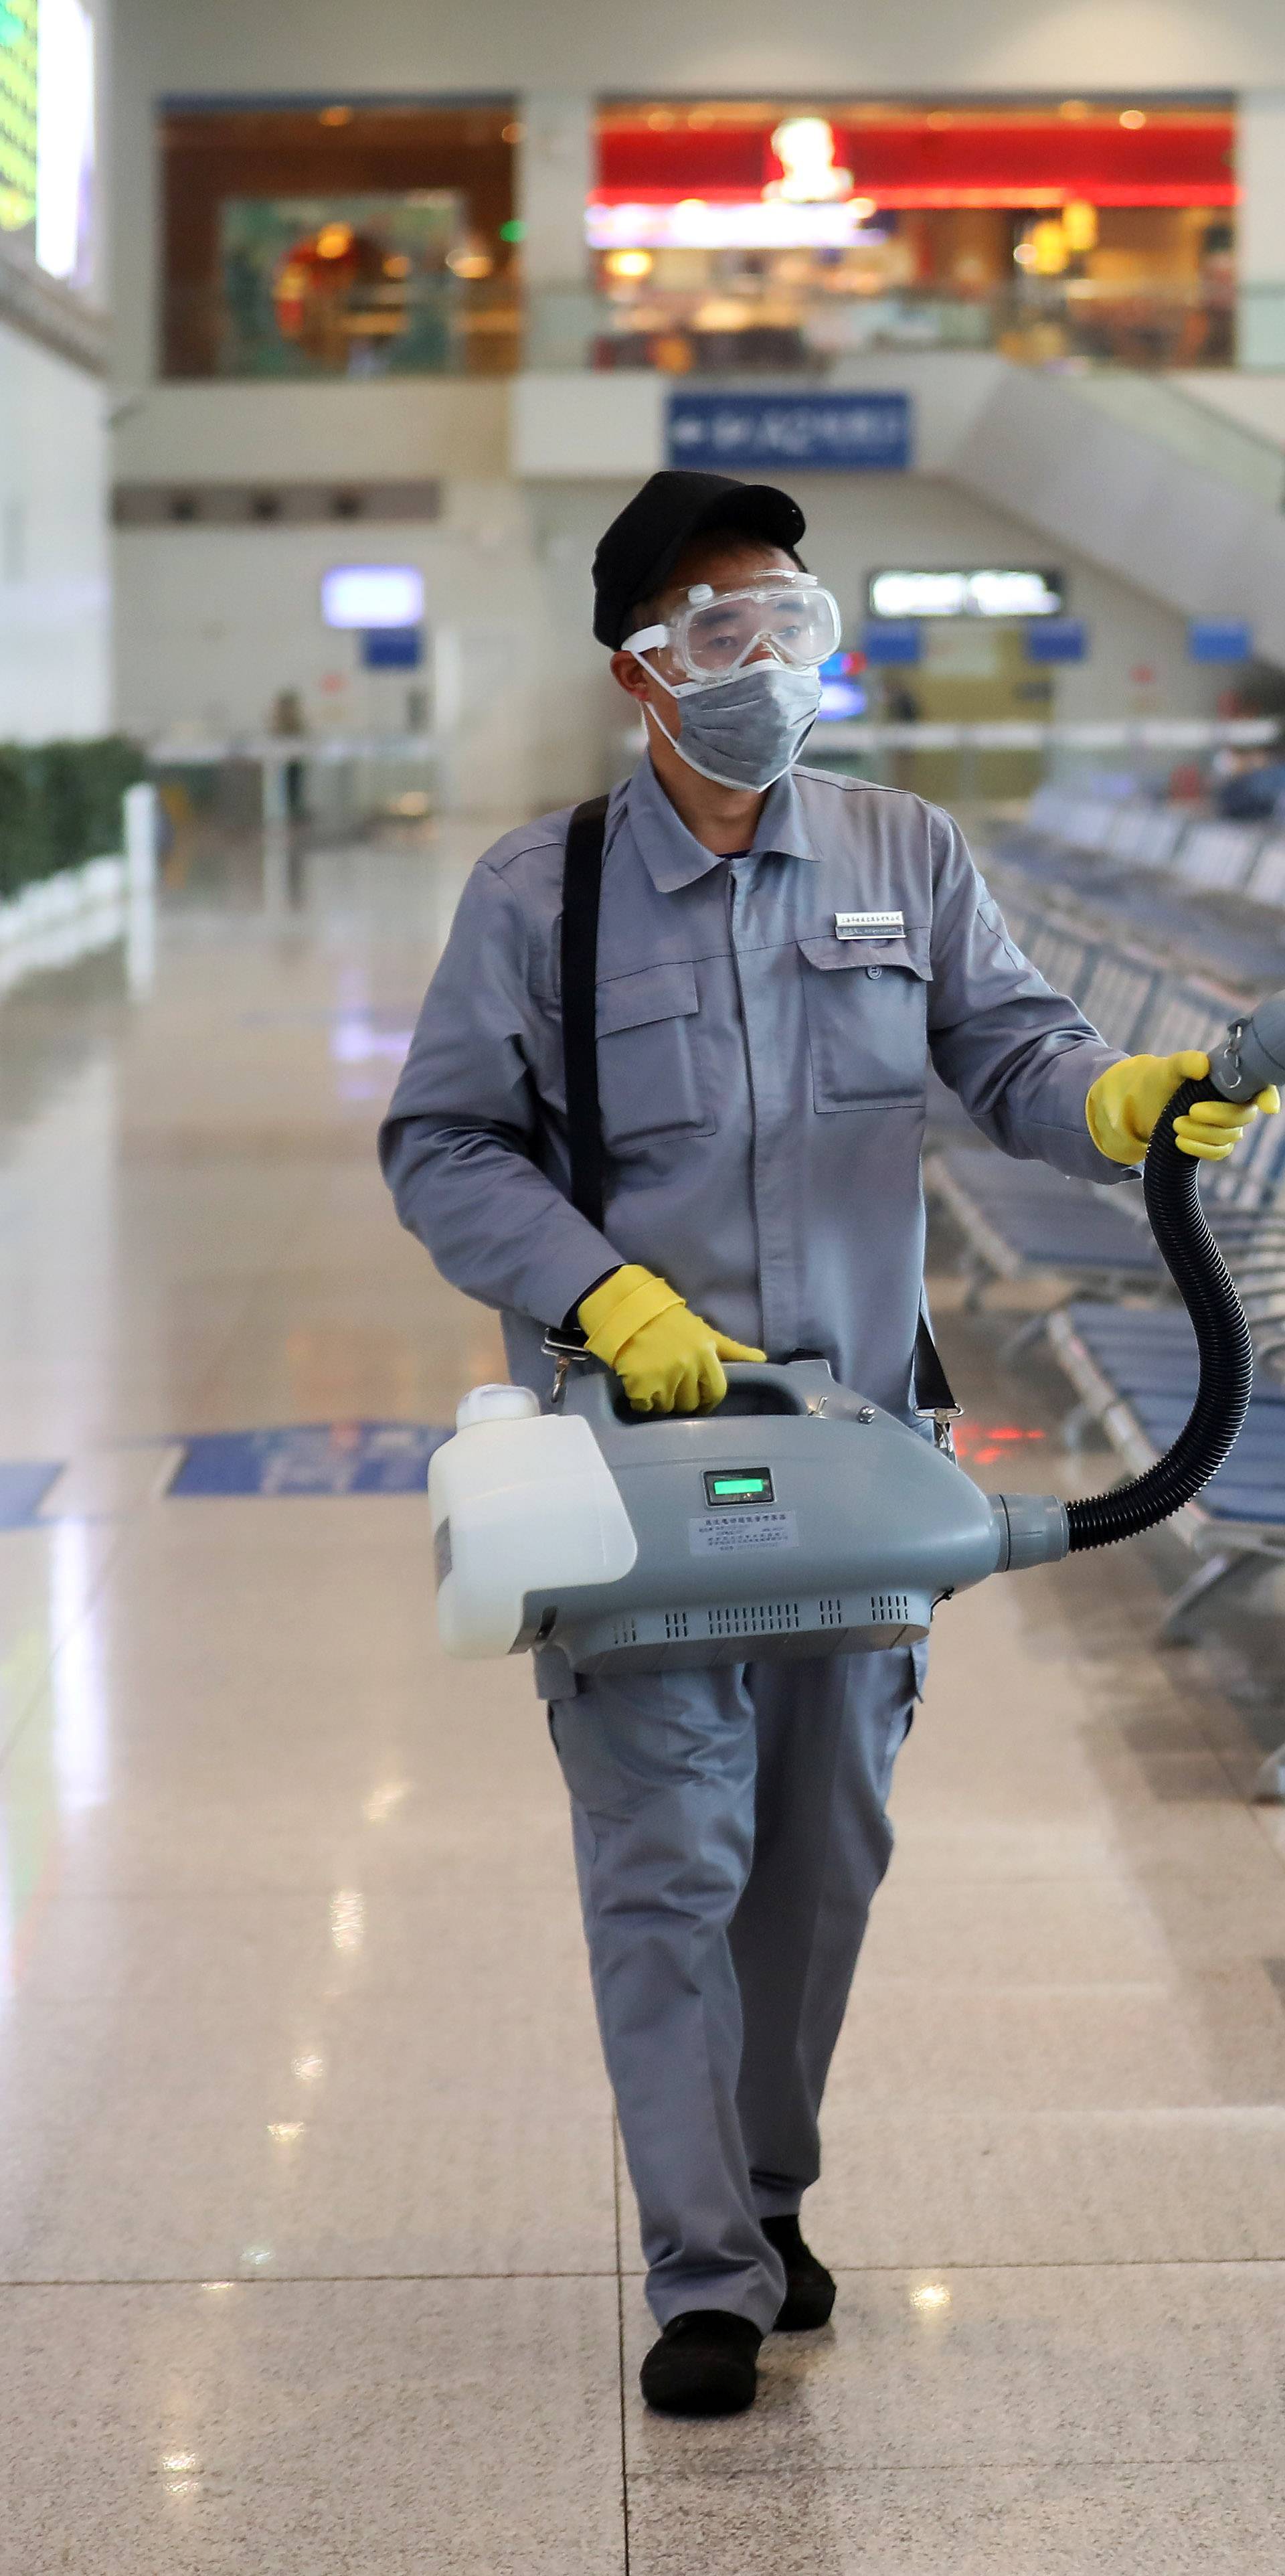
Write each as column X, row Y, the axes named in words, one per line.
column 1134, row 1372
column 1133, row 1363
column 1018, row 1218
column 1211, row 856
column 1192, row 885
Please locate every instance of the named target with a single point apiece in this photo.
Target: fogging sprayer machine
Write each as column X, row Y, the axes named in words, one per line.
column 796, row 1518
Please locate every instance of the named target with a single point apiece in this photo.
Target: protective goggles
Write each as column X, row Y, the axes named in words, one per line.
column 715, row 633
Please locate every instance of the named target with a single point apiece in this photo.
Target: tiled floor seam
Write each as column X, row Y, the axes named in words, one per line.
column 616, row 2152
column 842, row 2271
column 88, row 1604
column 1074, row 2464
column 283, row 2280
column 1054, row 2263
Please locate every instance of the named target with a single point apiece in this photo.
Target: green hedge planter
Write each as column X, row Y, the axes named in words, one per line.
column 60, row 805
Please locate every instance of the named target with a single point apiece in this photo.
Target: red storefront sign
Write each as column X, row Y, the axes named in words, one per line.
column 934, row 157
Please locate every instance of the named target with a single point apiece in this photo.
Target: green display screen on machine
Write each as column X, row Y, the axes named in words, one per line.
column 738, row 1485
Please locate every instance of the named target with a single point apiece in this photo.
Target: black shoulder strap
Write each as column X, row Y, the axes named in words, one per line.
column 581, row 889
column 932, row 1392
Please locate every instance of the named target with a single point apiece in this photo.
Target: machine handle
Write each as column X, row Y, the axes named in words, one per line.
column 593, row 1391
column 779, row 1374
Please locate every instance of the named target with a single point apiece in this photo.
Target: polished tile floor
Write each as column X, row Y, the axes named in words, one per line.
column 315, row 2254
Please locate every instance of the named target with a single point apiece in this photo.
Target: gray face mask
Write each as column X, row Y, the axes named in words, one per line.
column 747, row 731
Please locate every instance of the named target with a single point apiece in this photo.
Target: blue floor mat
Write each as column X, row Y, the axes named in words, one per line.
column 311, row 1458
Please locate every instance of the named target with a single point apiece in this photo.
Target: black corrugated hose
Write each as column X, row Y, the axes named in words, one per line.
column 1171, row 1183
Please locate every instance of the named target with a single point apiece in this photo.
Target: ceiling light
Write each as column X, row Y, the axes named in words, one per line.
column 347, row 1914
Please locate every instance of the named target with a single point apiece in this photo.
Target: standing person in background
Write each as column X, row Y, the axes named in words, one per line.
column 780, row 955
column 289, row 721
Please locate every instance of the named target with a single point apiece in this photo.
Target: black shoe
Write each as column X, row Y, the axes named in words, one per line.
column 702, row 2365
column 809, row 2288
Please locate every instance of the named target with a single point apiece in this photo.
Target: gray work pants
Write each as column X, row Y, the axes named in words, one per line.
column 729, row 1835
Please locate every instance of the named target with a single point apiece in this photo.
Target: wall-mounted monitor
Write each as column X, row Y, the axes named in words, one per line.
column 65, row 142
column 999, row 590
column 47, row 137
column 371, row 595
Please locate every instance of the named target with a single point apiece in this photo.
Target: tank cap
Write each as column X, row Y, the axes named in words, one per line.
column 496, row 1404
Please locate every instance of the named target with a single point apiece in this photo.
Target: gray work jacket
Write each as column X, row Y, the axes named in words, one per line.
column 762, row 1077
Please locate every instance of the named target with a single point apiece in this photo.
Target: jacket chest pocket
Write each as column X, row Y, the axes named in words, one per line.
column 649, row 1067
column 867, row 1012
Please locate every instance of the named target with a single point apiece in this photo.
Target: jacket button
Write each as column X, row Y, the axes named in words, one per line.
column 872, row 971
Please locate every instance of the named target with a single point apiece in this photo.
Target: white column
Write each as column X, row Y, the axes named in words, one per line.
column 142, row 821
column 555, row 166
column 1261, row 228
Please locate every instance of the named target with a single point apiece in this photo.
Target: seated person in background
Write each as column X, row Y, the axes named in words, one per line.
column 1251, row 791
column 1249, row 781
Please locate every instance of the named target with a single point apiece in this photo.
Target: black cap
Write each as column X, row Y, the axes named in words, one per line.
column 641, row 547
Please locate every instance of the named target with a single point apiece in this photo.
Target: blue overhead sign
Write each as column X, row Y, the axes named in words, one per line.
column 893, row 639
column 838, row 433
column 1057, row 639
column 1219, row 639
column 392, row 648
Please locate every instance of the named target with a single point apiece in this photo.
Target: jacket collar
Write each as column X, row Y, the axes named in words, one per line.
column 674, row 857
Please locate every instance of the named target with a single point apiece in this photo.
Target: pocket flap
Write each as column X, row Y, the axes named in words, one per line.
column 907, row 948
column 665, row 992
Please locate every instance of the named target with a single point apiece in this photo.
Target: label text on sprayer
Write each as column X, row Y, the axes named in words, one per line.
column 733, row 1533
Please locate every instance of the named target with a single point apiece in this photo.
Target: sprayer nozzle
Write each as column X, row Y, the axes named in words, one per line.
column 1253, row 1052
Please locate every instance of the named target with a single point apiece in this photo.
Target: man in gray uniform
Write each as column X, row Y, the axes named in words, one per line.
column 781, row 953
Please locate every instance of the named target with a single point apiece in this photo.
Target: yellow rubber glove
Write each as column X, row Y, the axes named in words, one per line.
column 1126, row 1100
column 667, row 1359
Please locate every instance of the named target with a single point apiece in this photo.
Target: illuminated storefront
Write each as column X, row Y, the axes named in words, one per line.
column 339, row 240
column 751, row 234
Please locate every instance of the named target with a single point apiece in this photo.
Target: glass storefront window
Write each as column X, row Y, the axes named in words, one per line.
column 734, row 235
column 340, row 241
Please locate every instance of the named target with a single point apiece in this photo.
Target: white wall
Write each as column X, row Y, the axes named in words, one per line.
column 857, row 523
column 213, row 622
column 54, row 634
column 403, row 428
column 724, row 47
column 1256, row 402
